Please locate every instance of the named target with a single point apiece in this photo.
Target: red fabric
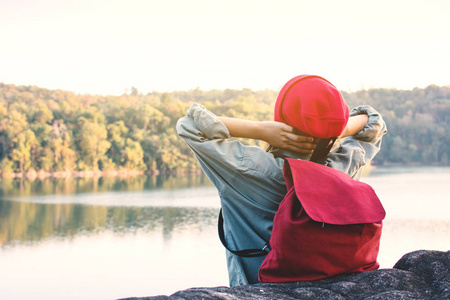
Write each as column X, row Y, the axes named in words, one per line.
column 341, row 200
column 313, row 105
column 304, row 249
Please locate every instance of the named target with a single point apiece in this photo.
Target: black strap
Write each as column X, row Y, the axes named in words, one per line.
column 322, row 149
column 243, row 253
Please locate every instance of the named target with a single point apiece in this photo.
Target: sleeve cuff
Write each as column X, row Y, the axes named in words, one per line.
column 375, row 127
column 207, row 122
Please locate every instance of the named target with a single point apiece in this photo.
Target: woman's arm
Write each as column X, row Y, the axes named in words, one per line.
column 283, row 136
column 223, row 159
column 354, row 125
column 359, row 148
column 277, row 134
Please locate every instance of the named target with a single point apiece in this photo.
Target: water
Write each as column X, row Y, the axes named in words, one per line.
column 113, row 238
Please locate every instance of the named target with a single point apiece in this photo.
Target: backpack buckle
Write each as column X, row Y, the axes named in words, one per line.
column 266, row 248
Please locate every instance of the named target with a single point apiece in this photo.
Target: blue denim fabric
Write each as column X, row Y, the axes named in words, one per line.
column 250, row 180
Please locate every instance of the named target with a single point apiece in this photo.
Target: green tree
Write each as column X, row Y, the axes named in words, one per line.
column 93, row 144
column 132, row 156
column 41, row 114
column 117, row 133
column 21, row 152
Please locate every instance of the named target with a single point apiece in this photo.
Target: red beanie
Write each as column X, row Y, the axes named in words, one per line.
column 313, row 105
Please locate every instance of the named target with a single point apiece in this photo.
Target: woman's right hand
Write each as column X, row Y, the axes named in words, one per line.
column 283, row 136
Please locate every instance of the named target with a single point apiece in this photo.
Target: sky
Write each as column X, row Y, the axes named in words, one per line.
column 108, row 46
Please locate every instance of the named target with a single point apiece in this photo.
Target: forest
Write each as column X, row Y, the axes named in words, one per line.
column 44, row 130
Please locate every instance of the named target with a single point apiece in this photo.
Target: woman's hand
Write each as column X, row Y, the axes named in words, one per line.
column 283, row 136
column 277, row 134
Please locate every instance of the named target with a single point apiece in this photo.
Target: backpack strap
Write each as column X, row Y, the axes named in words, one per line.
column 243, row 253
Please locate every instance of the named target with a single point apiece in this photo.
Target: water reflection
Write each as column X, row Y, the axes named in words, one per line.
column 111, row 238
column 29, row 215
column 25, row 187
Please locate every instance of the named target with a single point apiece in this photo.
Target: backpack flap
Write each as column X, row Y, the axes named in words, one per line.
column 333, row 197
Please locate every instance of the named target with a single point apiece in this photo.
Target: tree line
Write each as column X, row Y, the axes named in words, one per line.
column 54, row 130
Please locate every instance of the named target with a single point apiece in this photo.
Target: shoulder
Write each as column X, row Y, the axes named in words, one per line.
column 259, row 163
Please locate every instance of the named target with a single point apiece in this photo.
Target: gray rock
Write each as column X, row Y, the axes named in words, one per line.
column 421, row 275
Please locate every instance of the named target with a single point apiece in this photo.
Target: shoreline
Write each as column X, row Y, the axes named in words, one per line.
column 42, row 175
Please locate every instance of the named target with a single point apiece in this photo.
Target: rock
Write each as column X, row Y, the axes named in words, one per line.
column 422, row 274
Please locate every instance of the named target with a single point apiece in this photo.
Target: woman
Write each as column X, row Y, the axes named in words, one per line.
column 250, row 180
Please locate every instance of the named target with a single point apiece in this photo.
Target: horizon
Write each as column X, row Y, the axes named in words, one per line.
column 104, row 47
column 128, row 91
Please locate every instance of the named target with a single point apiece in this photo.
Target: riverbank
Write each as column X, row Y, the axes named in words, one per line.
column 42, row 175
column 123, row 173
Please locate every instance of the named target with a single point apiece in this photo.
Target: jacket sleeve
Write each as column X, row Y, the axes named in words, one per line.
column 222, row 158
column 356, row 151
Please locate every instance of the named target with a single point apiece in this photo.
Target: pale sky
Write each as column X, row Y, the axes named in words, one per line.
column 108, row 46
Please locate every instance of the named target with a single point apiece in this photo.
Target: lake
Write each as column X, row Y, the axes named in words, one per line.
column 110, row 238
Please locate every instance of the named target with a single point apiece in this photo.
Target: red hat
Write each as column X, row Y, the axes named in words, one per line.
column 313, row 105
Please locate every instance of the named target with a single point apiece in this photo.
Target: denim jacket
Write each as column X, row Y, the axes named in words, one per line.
column 250, row 180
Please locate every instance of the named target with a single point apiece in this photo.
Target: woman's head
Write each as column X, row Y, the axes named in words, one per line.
column 312, row 105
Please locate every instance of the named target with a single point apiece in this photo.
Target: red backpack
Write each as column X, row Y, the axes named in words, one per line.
column 327, row 224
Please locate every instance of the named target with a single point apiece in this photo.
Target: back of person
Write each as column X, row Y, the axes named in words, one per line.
column 250, row 180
